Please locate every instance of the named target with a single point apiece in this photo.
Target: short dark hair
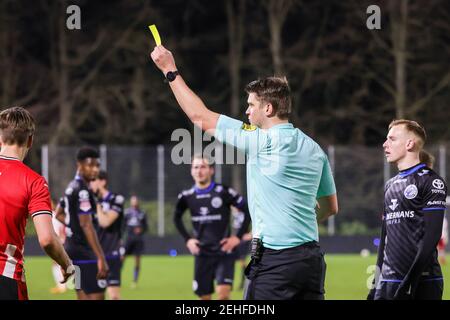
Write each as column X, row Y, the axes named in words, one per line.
column 103, row 175
column 274, row 90
column 16, row 126
column 412, row 126
column 87, row 152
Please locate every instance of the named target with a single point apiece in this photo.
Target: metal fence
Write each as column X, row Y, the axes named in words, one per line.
column 147, row 171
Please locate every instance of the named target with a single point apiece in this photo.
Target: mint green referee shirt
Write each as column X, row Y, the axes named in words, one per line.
column 286, row 172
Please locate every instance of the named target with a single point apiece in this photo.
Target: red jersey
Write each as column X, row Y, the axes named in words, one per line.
column 23, row 193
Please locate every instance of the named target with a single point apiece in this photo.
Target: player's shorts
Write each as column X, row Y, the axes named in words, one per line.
column 428, row 289
column 115, row 266
column 88, row 277
column 210, row 268
column 134, row 246
column 11, row 289
column 296, row 273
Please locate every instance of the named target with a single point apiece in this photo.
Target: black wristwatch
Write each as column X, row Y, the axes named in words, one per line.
column 171, row 75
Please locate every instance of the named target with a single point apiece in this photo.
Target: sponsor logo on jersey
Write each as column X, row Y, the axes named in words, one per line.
column 216, row 202
column 438, row 184
column 394, row 204
column 203, row 211
column 400, row 181
column 399, row 214
column 213, row 217
column 411, row 192
column 203, row 196
column 436, row 203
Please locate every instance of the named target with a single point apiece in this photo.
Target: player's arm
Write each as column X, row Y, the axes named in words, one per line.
column 106, row 218
column 380, row 258
column 432, row 234
column 433, row 216
column 191, row 243
column 144, row 223
column 91, row 236
column 191, row 104
column 239, row 202
column 40, row 209
column 50, row 243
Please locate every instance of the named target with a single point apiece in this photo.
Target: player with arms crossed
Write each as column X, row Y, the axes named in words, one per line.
column 414, row 206
column 212, row 243
column 23, row 193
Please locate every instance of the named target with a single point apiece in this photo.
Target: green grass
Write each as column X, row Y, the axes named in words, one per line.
column 164, row 277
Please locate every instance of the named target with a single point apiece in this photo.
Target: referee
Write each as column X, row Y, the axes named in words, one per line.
column 289, row 181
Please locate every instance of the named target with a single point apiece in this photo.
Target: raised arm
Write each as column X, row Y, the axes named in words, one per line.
column 191, row 104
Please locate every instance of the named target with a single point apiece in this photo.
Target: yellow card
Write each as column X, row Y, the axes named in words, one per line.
column 155, row 34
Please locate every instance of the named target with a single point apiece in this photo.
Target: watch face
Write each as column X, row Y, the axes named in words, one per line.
column 171, row 76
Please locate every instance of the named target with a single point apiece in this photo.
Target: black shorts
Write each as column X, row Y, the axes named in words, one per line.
column 430, row 289
column 296, row 273
column 11, row 289
column 115, row 266
column 88, row 277
column 134, row 246
column 208, row 268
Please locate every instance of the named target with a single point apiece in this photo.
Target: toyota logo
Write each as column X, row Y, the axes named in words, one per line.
column 438, row 184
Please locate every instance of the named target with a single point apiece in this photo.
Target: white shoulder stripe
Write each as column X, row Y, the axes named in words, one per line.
column 41, row 212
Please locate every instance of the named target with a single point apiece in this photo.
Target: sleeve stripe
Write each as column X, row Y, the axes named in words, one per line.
column 433, row 209
column 41, row 212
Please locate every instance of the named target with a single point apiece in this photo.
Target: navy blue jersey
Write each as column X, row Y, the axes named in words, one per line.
column 210, row 214
column 78, row 200
column 110, row 237
column 408, row 196
column 135, row 220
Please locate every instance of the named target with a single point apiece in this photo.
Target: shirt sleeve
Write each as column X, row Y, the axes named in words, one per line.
column 434, row 194
column 117, row 205
column 326, row 186
column 39, row 198
column 180, row 208
column 246, row 138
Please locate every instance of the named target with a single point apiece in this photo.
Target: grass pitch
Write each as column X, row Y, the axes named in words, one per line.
column 170, row 278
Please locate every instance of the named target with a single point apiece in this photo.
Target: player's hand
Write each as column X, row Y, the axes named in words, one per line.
column 163, row 59
column 228, row 244
column 103, row 269
column 67, row 273
column 193, row 246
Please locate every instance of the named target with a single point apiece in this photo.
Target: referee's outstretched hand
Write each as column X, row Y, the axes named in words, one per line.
column 228, row 244
column 163, row 59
